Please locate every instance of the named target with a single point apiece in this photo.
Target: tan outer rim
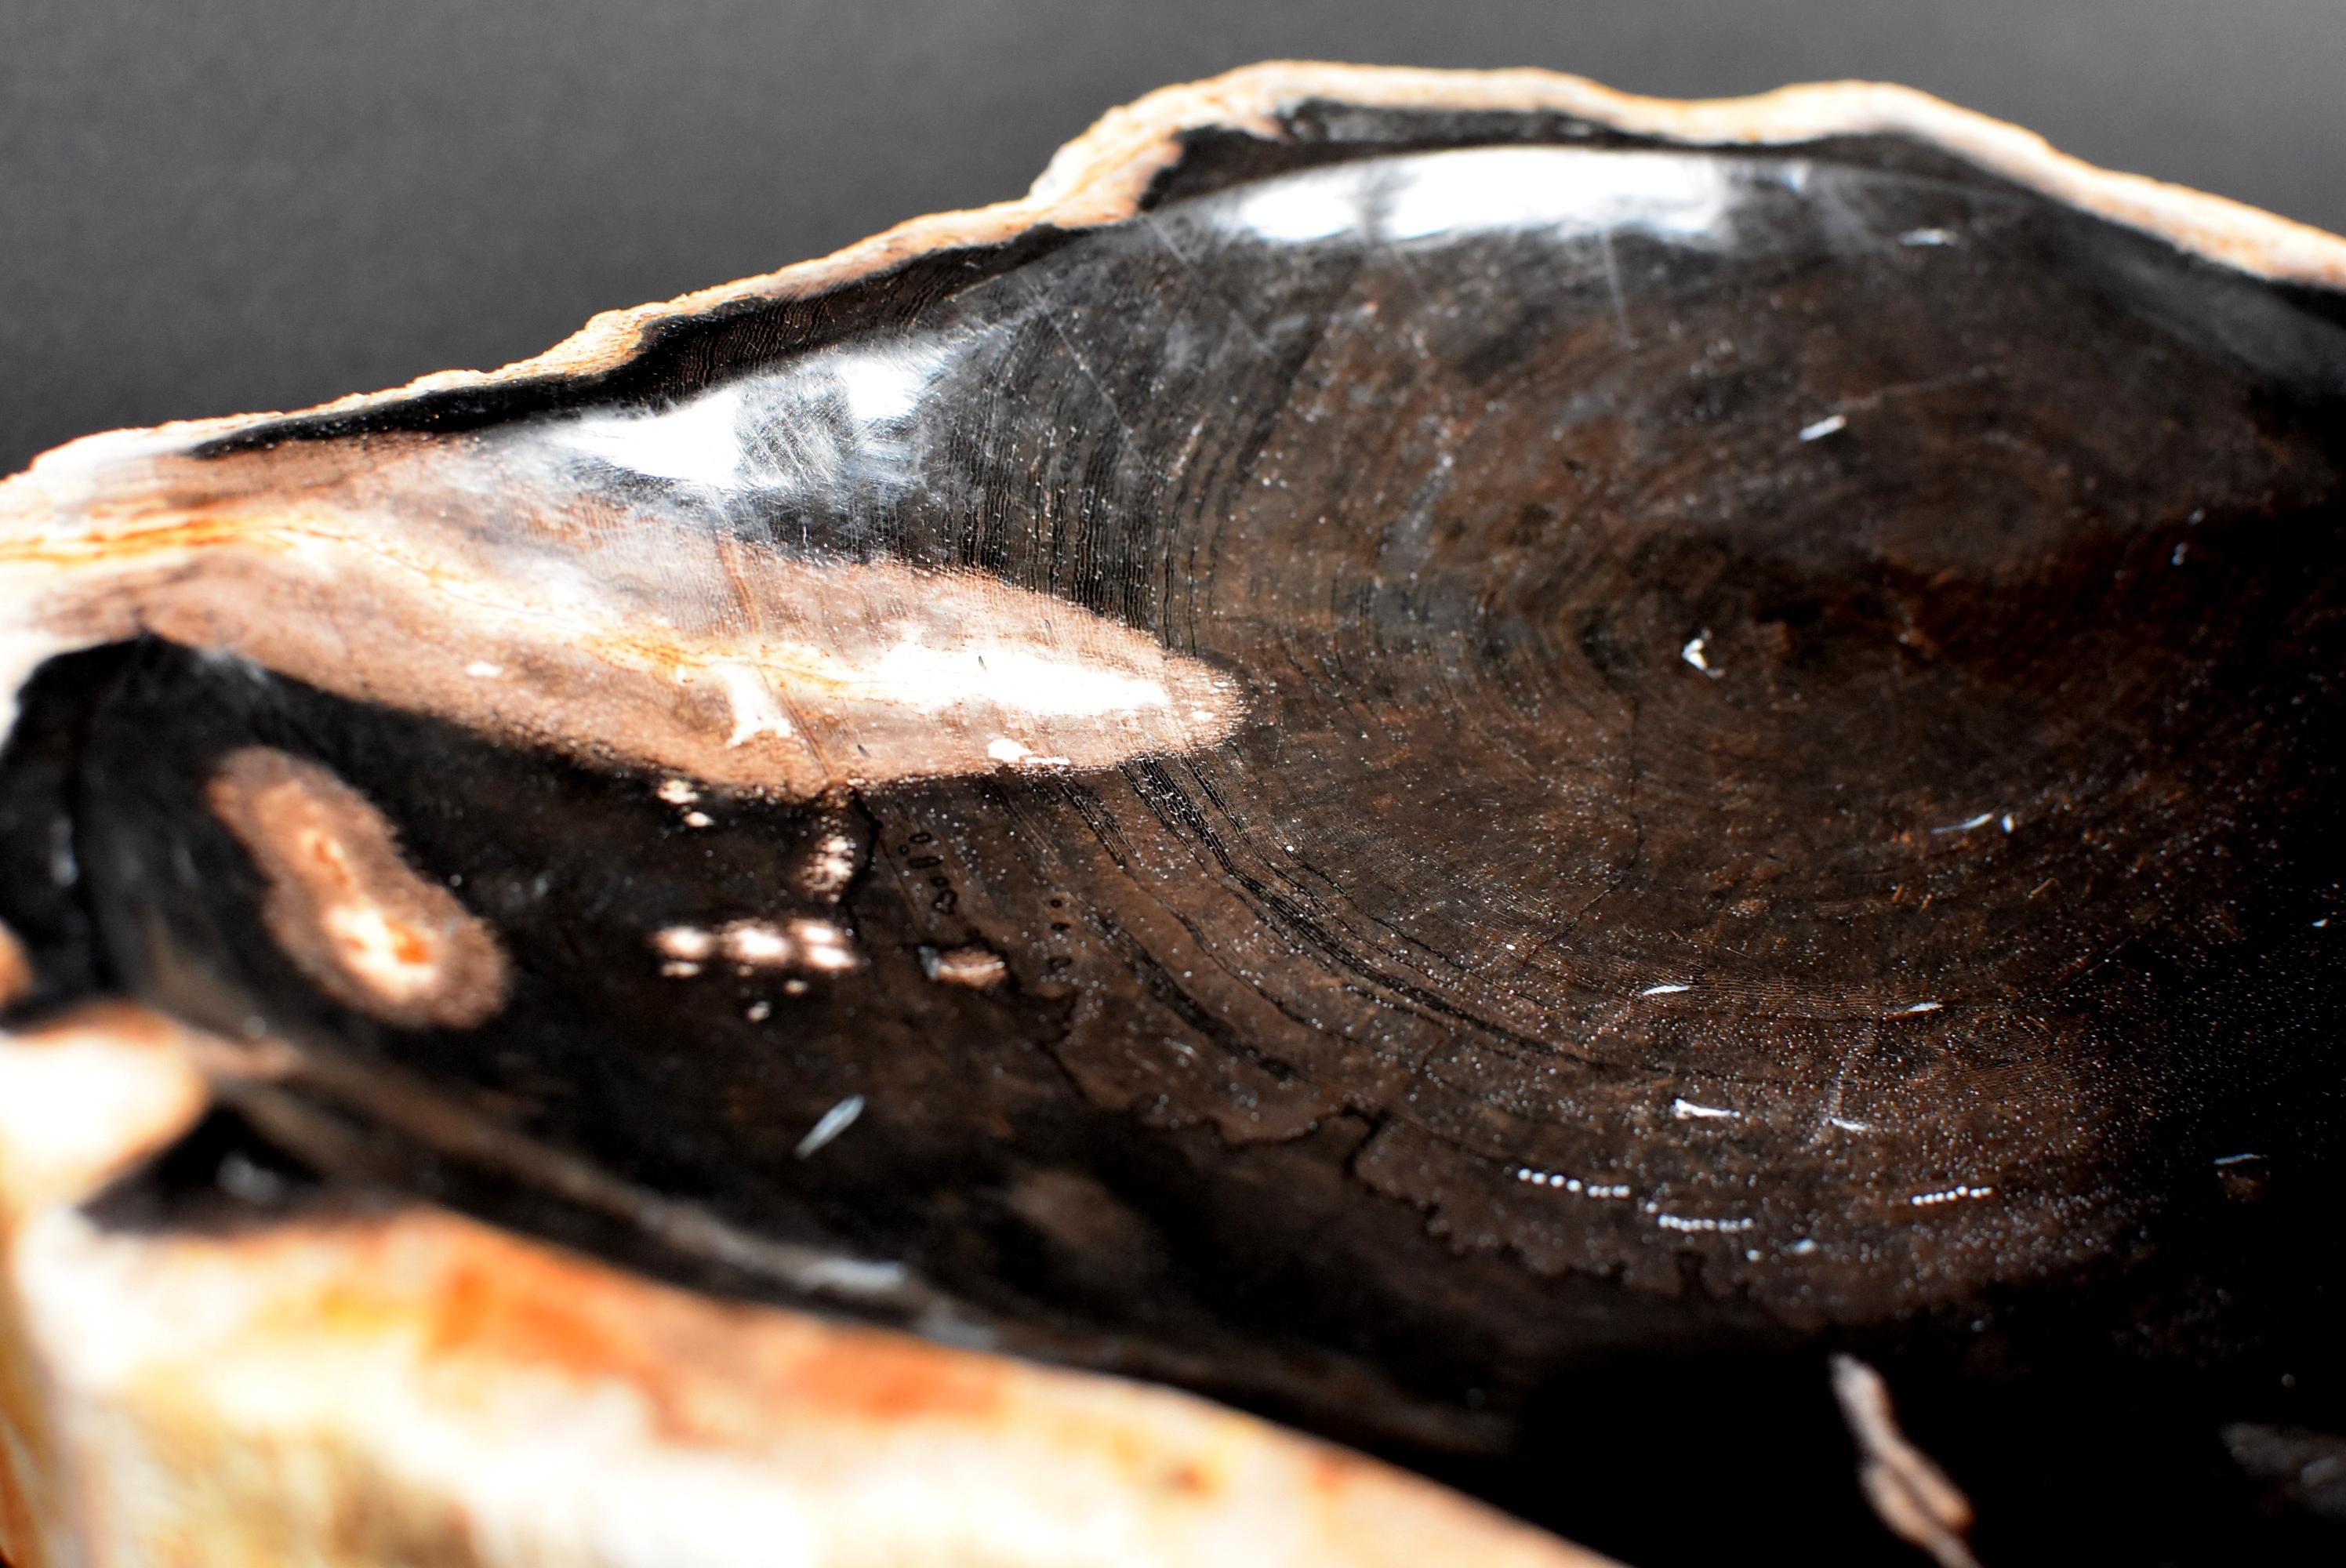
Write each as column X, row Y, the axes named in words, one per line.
column 1102, row 175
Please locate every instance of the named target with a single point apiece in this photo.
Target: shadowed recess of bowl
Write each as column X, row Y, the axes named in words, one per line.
column 1623, row 758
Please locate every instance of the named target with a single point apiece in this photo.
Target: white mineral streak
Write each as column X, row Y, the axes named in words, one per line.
column 1702, row 1225
column 829, row 867
column 755, row 712
column 1955, row 1194
column 1571, row 1183
column 1910, row 1494
column 823, row 947
column 834, row 1121
column 973, row 966
column 805, row 942
column 1005, row 676
column 758, row 944
column 1676, row 199
column 699, row 441
column 685, row 944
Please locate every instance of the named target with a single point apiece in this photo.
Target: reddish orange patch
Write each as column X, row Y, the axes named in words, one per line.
column 484, row 1306
column 21, row 1420
column 883, row 1381
column 347, row 908
column 15, row 970
column 1189, row 1480
column 1334, row 1474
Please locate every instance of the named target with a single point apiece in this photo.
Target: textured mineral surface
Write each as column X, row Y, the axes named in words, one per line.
column 1470, row 764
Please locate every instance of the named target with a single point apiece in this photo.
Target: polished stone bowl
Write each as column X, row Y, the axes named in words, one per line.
column 1466, row 762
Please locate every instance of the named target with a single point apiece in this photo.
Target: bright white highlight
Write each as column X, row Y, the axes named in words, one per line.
column 1477, row 190
column 919, row 676
column 835, row 1121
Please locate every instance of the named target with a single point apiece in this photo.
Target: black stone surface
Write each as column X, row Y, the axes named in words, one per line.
column 1970, row 766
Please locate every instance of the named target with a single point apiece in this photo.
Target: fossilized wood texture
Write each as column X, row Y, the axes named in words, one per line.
column 1466, row 777
column 377, row 1383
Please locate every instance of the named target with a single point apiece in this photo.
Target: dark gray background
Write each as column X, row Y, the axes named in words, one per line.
column 208, row 206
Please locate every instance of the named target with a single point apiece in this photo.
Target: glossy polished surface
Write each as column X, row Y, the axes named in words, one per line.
column 1472, row 791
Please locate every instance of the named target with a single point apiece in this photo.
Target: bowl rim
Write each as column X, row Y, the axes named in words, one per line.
column 1103, row 176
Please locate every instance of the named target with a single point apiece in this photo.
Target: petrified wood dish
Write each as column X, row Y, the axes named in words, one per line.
column 1467, row 762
